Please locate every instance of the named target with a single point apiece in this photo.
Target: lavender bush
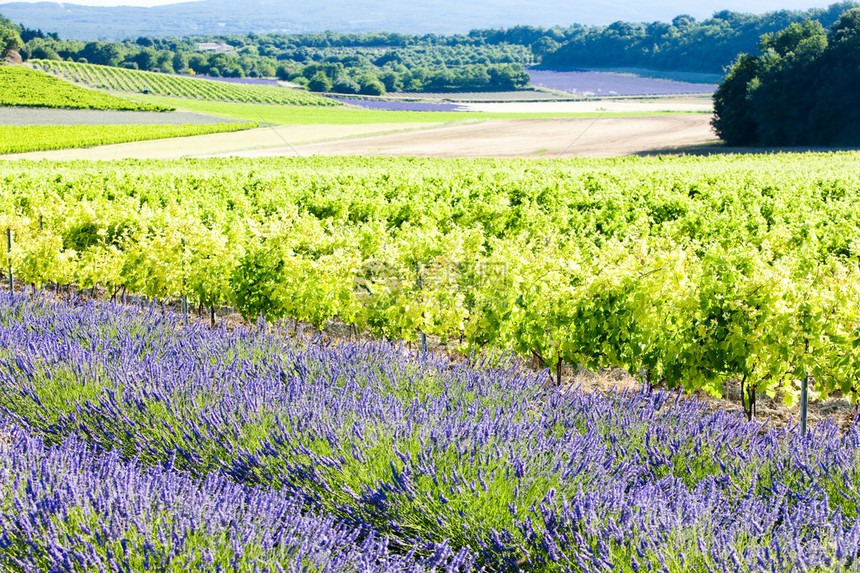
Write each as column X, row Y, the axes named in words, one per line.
column 68, row 509
column 450, row 461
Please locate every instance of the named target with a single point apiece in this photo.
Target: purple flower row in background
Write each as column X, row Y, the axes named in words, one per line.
column 589, row 83
column 400, row 105
column 245, row 81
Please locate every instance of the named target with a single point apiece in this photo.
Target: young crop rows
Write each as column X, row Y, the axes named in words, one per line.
column 130, row 442
column 688, row 271
column 24, row 138
column 121, row 79
column 20, row 86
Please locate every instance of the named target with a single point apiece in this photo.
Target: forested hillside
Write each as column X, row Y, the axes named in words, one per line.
column 483, row 59
column 683, row 44
column 801, row 90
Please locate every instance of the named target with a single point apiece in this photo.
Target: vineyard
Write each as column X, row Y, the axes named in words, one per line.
column 688, row 272
column 20, row 86
column 21, row 139
column 135, row 81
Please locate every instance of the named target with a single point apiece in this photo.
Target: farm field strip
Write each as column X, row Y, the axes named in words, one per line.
column 132, row 430
column 596, row 83
column 609, row 107
column 21, row 86
column 30, row 138
column 388, row 105
column 121, row 79
column 280, row 140
column 347, row 115
column 57, row 116
column 596, row 136
column 646, row 264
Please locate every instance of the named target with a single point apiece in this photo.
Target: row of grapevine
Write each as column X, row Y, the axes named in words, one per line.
column 26, row 138
column 122, row 79
column 21, row 86
column 690, row 271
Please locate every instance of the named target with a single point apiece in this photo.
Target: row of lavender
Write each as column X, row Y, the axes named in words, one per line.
column 601, row 84
column 132, row 442
column 68, row 508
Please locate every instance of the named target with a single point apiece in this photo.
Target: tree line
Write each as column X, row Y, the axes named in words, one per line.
column 801, row 90
column 489, row 59
column 683, row 44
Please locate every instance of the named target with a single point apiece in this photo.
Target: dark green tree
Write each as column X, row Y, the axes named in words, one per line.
column 733, row 119
column 102, row 53
column 836, row 110
column 320, row 83
column 802, row 89
column 10, row 40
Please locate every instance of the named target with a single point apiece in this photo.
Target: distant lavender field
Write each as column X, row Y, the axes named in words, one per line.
column 247, row 81
column 584, row 82
column 401, row 105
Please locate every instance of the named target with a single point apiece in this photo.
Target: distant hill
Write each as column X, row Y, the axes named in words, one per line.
column 207, row 17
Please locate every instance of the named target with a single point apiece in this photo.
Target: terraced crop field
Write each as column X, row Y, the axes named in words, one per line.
column 21, row 139
column 20, row 86
column 136, row 81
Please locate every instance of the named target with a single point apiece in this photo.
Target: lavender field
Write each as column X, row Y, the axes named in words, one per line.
column 130, row 442
column 400, row 105
column 601, row 84
column 241, row 81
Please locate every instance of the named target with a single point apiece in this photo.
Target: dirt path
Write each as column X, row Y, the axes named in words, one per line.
column 583, row 137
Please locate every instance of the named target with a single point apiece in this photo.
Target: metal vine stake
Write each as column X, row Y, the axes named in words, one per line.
column 804, row 389
column 9, row 257
column 420, row 286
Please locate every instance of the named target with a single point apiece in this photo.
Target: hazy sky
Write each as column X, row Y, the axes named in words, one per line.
column 112, row 2
column 627, row 9
column 696, row 6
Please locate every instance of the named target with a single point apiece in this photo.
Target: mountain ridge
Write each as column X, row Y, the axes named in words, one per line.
column 213, row 17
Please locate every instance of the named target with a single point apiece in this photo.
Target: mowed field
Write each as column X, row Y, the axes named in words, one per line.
column 562, row 137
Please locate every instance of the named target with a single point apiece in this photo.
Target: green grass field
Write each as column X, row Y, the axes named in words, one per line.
column 283, row 115
column 20, row 86
column 21, row 139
